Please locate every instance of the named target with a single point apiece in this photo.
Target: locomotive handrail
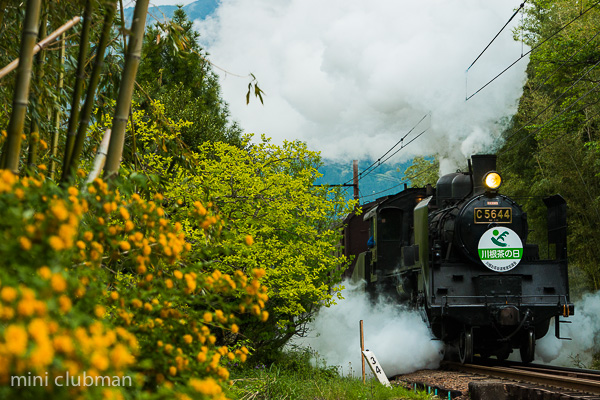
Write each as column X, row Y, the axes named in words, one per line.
column 494, row 300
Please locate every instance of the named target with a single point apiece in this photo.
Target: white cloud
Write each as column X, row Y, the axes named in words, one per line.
column 350, row 77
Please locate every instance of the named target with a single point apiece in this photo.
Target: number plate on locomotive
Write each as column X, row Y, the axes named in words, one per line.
column 500, row 215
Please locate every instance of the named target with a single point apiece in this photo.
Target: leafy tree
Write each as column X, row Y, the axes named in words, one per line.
column 175, row 71
column 266, row 195
column 423, row 172
column 551, row 143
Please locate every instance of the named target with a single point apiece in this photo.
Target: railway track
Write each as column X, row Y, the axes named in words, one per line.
column 569, row 383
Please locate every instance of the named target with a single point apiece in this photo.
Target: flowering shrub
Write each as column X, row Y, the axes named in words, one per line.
column 98, row 283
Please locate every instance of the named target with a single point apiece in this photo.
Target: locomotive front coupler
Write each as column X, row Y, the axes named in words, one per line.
column 525, row 323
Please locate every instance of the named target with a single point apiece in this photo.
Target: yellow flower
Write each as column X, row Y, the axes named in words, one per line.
column 42, row 355
column 58, row 283
column 26, row 307
column 178, row 274
column 63, row 343
column 234, row 328
column 25, row 243
column 125, row 246
column 59, row 210
column 64, row 303
column 249, row 240
column 56, row 243
column 38, row 329
column 206, row 386
column 99, row 361
column 188, row 339
column 169, row 284
column 264, row 316
column 114, row 295
column 208, row 317
column 124, row 213
column 120, row 356
column 129, row 226
column 99, row 310
column 16, row 339
column 45, row 272
column 172, row 371
column 8, row 294
column 88, row 236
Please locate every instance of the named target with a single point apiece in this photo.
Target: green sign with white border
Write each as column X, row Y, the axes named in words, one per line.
column 500, row 249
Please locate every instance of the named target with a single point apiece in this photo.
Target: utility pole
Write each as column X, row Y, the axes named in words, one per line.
column 355, row 178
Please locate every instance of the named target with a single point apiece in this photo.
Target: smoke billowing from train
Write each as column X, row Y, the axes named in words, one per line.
column 398, row 337
column 351, row 77
column 584, row 332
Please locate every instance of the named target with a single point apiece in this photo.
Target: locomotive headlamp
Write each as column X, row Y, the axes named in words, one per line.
column 492, row 180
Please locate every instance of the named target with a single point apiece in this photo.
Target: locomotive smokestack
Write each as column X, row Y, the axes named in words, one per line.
column 481, row 165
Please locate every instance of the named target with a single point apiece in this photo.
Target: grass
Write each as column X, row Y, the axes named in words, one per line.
column 293, row 376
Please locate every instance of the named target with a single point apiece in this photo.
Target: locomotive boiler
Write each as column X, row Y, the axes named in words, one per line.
column 460, row 254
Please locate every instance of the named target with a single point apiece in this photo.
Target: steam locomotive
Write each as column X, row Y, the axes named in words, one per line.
column 459, row 253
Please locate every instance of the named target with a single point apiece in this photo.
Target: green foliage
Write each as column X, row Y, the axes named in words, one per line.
column 276, row 218
column 423, row 172
column 175, row 71
column 266, row 194
column 300, row 374
column 551, row 144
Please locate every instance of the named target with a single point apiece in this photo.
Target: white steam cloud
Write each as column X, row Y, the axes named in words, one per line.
column 351, row 77
column 399, row 338
column 584, row 330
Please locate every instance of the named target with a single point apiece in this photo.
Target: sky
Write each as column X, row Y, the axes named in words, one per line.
column 352, row 77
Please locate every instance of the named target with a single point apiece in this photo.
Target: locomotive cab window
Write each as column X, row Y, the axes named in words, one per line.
column 390, row 221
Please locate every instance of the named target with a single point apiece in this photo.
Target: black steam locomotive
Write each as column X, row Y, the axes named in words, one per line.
column 459, row 253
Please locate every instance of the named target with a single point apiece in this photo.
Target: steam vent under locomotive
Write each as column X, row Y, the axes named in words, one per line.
column 459, row 253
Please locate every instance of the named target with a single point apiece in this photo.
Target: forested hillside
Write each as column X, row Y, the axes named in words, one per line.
column 552, row 143
column 145, row 240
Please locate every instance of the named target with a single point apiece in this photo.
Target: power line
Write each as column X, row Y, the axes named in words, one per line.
column 532, row 49
column 406, row 180
column 552, row 119
column 566, row 132
column 489, row 44
column 565, row 62
column 404, row 145
column 555, row 100
column 373, row 165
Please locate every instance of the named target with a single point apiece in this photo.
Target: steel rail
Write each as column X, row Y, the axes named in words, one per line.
column 548, row 378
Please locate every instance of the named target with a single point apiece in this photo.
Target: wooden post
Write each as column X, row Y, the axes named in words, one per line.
column 362, row 348
column 355, row 178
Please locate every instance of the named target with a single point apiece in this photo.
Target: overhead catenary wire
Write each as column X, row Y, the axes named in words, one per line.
column 552, row 119
column 497, row 34
column 532, row 49
column 555, row 100
column 562, row 64
column 406, row 180
column 378, row 162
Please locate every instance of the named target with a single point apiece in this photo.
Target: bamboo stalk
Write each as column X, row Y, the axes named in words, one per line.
column 34, row 133
column 100, row 157
column 88, row 106
column 132, row 61
column 84, row 45
column 41, row 45
column 21, row 96
column 57, row 112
